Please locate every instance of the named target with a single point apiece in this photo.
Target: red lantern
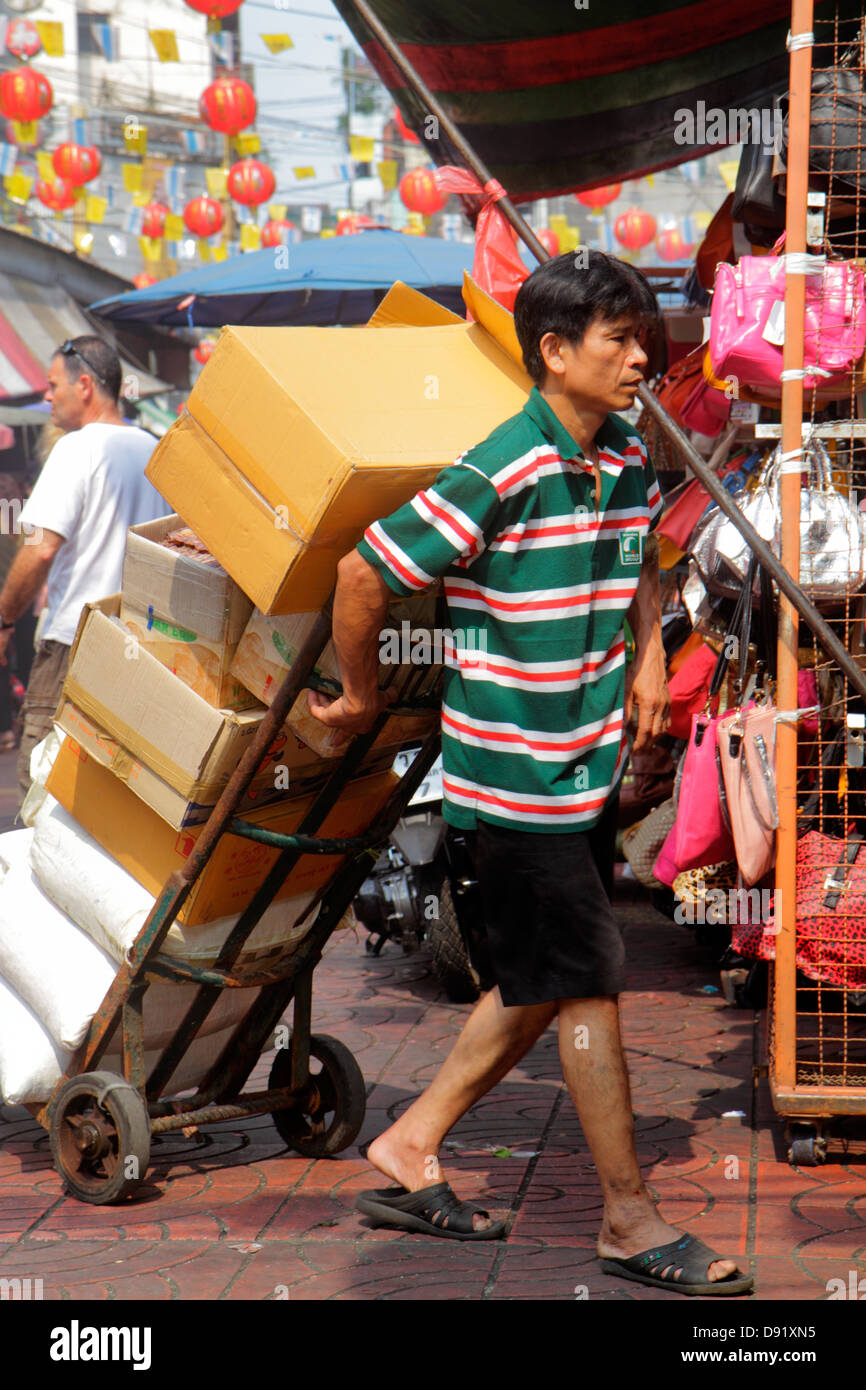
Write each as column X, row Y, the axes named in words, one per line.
column 203, row 216
column 204, row 351
column 420, row 192
column 153, row 220
column 78, row 164
column 277, row 233
column 250, row 182
column 356, row 222
column 405, row 132
column 215, row 9
column 22, row 39
column 228, row 105
column 634, row 229
column 58, row 195
column 599, row 197
column 25, row 95
column 143, row 281
column 549, row 240
column 671, row 246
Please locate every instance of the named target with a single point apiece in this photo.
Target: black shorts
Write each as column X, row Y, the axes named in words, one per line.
column 550, row 926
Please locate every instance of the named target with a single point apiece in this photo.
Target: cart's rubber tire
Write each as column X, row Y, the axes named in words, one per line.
column 451, row 964
column 100, row 1137
column 808, row 1152
column 335, row 1119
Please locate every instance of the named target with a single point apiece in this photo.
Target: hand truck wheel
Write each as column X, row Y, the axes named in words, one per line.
column 331, row 1114
column 100, row 1137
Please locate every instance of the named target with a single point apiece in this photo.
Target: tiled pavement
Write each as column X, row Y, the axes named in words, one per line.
column 238, row 1217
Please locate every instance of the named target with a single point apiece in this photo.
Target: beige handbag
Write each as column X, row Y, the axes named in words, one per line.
column 641, row 842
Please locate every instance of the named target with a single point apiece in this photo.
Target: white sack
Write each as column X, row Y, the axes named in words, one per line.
column 107, row 902
column 31, row 1064
column 63, row 976
column 52, row 965
column 41, row 762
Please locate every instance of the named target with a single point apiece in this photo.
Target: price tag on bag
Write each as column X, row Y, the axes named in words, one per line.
column 774, row 328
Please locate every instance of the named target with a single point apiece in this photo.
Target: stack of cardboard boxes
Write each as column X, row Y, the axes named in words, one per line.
column 293, row 442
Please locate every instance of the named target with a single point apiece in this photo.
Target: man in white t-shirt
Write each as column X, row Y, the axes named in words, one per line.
column 90, row 491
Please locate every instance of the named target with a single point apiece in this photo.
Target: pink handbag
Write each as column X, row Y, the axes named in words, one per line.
column 706, row 410
column 747, row 322
column 747, row 750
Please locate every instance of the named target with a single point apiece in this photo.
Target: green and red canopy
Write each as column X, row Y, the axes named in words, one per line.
column 556, row 98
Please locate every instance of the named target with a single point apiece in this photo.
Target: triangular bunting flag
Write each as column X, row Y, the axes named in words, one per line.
column 165, row 43
column 277, row 43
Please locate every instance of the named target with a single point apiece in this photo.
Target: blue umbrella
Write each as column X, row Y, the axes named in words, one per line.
column 338, row 280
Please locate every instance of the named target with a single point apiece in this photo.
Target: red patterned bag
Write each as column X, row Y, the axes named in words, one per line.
column 831, row 914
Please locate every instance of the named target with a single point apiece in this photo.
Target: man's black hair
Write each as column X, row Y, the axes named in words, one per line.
column 568, row 292
column 92, row 355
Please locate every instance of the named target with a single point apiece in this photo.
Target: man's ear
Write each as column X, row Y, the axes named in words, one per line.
column 551, row 353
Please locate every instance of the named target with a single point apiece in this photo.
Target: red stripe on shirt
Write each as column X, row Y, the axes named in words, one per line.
column 392, row 562
column 537, row 809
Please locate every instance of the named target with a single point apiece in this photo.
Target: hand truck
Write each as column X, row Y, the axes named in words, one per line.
column 101, row 1123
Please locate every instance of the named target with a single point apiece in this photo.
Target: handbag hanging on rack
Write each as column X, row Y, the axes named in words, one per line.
column 701, row 833
column 747, row 323
column 832, row 533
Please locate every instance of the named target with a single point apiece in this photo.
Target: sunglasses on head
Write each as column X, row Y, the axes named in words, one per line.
column 70, row 350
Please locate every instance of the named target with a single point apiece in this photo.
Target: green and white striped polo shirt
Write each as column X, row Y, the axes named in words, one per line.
column 538, row 583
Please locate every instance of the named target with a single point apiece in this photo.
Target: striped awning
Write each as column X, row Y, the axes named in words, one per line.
column 34, row 320
column 556, row 97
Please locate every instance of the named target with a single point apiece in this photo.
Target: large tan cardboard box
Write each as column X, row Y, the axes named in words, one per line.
column 295, row 439
column 187, row 614
column 145, row 718
column 151, row 850
column 274, row 781
column 271, row 643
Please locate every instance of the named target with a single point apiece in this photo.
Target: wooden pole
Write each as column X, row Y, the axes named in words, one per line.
column 784, row 1071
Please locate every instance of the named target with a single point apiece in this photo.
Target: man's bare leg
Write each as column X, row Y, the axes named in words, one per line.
column 594, row 1068
column 493, row 1040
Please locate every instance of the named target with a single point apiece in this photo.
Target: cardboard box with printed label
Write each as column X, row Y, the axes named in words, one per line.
column 175, row 751
column 296, row 439
column 151, row 850
column 188, row 614
column 271, row 643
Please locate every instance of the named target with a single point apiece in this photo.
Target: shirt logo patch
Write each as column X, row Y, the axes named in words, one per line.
column 630, row 547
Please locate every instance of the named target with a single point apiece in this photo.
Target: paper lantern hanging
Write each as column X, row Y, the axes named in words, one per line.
column 228, row 105
column 251, row 182
column 277, row 232
column 355, row 222
column 671, row 245
column 597, row 198
column 203, row 216
column 405, row 132
column 153, row 220
column 22, row 39
column 549, row 240
column 420, row 192
column 143, row 281
column 57, row 195
column 204, row 352
column 215, row 9
column 25, row 95
column 635, row 229
column 78, row 164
